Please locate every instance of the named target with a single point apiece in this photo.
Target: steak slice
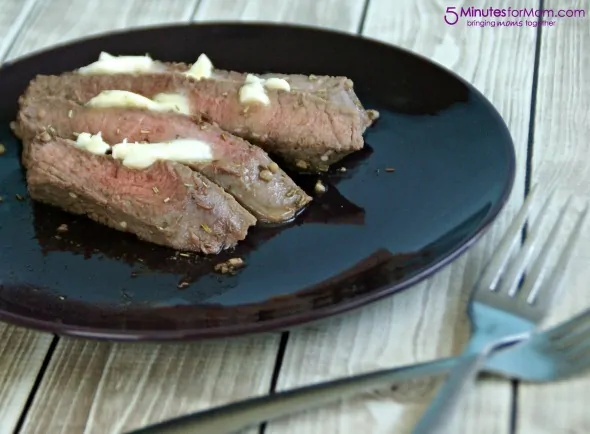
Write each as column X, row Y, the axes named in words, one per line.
column 167, row 204
column 243, row 170
column 310, row 128
column 336, row 89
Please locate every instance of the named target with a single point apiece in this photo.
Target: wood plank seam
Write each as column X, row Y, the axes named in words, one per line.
column 27, row 9
column 195, row 11
column 35, row 388
column 531, row 132
column 281, row 350
column 560, row 160
column 514, row 384
column 363, row 19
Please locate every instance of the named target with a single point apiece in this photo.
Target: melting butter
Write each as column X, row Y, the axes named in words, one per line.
column 108, row 64
column 277, row 83
column 143, row 155
column 253, row 91
column 122, row 98
column 202, row 68
column 92, row 143
column 173, row 102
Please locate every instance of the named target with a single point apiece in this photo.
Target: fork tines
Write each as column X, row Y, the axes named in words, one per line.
column 535, row 288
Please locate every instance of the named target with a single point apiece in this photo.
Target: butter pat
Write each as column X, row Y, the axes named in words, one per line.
column 172, row 102
column 277, row 83
column 122, row 98
column 253, row 92
column 92, row 143
column 142, row 155
column 108, row 64
column 202, row 68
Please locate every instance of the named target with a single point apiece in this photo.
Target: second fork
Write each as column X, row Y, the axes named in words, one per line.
column 500, row 310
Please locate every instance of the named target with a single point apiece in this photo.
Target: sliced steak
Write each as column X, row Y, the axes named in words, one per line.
column 336, row 89
column 167, row 204
column 243, row 170
column 310, row 128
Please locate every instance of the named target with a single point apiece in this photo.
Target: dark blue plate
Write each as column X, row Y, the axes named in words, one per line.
column 375, row 232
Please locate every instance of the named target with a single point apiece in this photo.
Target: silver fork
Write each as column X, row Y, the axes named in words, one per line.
column 507, row 362
column 500, row 310
column 557, row 353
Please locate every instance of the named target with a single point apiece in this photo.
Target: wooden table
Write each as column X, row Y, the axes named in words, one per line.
column 540, row 82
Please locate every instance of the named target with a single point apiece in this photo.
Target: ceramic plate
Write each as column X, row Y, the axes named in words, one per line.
column 436, row 170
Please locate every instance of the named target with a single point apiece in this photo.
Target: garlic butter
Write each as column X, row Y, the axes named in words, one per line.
column 253, row 91
column 92, row 143
column 277, row 83
column 108, row 64
column 173, row 102
column 202, row 68
column 142, row 155
column 122, row 98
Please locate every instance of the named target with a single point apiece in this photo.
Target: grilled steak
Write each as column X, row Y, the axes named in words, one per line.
column 311, row 127
column 167, row 204
column 243, row 170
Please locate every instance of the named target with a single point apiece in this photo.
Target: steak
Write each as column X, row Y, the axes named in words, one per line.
column 167, row 204
column 243, row 170
column 316, row 124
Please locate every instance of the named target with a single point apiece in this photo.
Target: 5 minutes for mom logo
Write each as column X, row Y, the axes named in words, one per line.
column 508, row 16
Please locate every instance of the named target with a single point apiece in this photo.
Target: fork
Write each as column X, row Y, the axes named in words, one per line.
column 558, row 353
column 500, row 310
column 514, row 362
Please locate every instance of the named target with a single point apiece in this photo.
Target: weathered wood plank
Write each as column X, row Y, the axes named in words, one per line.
column 12, row 16
column 98, row 387
column 427, row 321
column 56, row 21
column 21, row 351
column 343, row 15
column 561, row 157
column 21, row 356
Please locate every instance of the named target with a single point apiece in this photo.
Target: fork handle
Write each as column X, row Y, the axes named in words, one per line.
column 239, row 415
column 435, row 418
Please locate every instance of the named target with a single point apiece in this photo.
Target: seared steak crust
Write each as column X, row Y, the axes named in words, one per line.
column 167, row 204
column 243, row 170
column 311, row 127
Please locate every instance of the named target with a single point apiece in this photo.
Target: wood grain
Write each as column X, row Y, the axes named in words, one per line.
column 97, row 387
column 13, row 14
column 21, row 356
column 21, row 351
column 561, row 158
column 56, row 21
column 344, row 15
column 427, row 321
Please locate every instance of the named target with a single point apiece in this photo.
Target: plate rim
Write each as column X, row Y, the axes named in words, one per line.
column 299, row 319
